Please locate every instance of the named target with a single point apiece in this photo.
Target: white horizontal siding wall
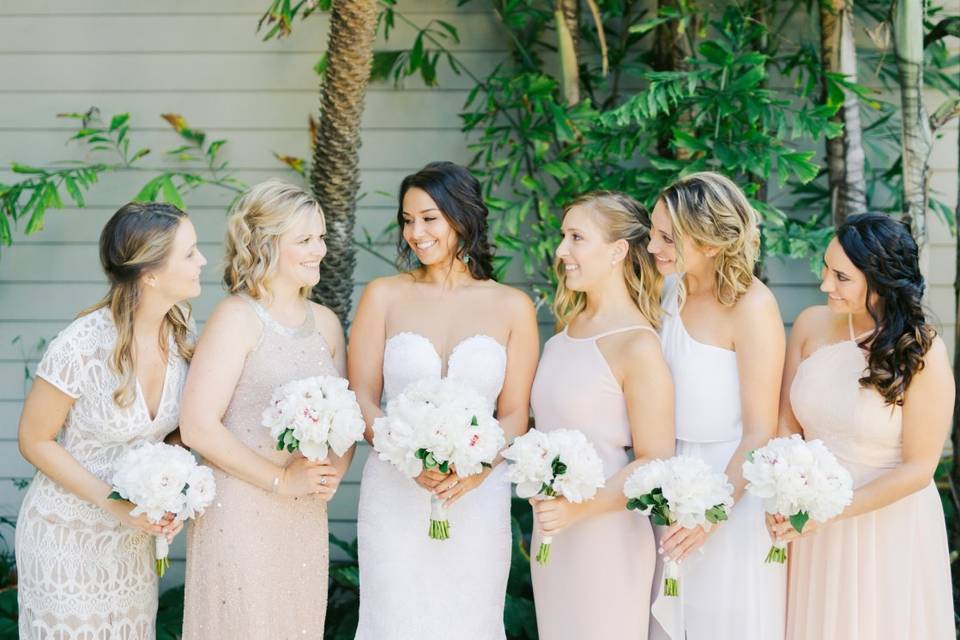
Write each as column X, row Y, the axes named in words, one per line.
column 203, row 59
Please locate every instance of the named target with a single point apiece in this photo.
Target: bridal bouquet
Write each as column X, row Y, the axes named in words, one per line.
column 438, row 424
column 681, row 490
column 314, row 415
column 798, row 479
column 159, row 478
column 554, row 463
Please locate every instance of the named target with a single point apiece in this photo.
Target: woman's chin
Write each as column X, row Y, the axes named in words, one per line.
column 666, row 268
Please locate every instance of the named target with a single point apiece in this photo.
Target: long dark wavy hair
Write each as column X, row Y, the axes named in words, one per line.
column 884, row 250
column 457, row 193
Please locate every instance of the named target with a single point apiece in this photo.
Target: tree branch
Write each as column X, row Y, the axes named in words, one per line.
column 949, row 26
column 947, row 112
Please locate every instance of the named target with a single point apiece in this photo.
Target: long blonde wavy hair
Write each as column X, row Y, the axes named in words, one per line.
column 622, row 218
column 257, row 221
column 138, row 239
column 711, row 210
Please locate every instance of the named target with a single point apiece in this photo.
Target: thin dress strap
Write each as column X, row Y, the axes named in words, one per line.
column 622, row 330
column 854, row 338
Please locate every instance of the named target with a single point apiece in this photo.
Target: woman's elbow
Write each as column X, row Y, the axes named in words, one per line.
column 191, row 431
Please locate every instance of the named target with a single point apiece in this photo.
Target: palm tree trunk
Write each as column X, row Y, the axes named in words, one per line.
column 917, row 138
column 672, row 46
column 567, row 20
column 845, row 156
column 335, row 178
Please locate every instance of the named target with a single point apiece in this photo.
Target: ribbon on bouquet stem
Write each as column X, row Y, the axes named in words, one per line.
column 439, row 525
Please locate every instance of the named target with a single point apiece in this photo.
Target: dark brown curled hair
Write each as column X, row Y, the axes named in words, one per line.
column 459, row 198
column 885, row 251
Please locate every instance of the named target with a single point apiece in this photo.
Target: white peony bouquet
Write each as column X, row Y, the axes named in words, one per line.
column 314, row 415
column 798, row 479
column 682, row 490
column 158, row 479
column 438, row 424
column 554, row 463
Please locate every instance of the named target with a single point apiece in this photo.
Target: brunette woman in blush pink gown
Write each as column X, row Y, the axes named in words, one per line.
column 604, row 375
column 867, row 375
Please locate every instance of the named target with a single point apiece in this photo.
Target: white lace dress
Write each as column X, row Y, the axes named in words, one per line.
column 412, row 587
column 83, row 575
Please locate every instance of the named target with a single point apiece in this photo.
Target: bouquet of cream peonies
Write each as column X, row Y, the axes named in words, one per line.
column 682, row 490
column 438, row 424
column 798, row 479
column 554, row 463
column 314, row 415
column 160, row 478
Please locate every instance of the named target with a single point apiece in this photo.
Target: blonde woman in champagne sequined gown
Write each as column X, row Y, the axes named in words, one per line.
column 257, row 560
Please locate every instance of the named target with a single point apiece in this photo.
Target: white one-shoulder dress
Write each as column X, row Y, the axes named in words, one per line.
column 727, row 592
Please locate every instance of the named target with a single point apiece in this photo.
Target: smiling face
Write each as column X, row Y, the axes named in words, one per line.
column 586, row 257
column 426, row 230
column 179, row 277
column 301, row 248
column 844, row 284
column 664, row 243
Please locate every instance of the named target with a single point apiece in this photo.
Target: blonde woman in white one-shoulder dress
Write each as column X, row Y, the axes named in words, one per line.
column 724, row 341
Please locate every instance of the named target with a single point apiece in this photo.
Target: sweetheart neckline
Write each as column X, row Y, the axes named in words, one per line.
column 453, row 351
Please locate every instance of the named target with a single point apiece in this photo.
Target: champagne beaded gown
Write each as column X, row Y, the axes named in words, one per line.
column 885, row 574
column 257, row 561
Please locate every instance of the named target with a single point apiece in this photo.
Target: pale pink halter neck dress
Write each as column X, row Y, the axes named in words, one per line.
column 882, row 575
column 597, row 582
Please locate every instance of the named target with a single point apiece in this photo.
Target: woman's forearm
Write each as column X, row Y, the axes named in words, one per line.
column 894, row 485
column 218, row 445
column 57, row 464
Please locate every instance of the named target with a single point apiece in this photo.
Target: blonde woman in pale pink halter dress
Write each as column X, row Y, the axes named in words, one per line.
column 603, row 374
column 257, row 560
column 724, row 342
column 867, row 375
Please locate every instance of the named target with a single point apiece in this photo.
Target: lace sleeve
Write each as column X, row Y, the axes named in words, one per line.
column 62, row 364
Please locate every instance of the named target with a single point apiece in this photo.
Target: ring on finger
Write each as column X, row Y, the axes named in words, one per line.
column 323, row 481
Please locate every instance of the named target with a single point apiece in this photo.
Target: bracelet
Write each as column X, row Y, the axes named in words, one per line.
column 276, row 484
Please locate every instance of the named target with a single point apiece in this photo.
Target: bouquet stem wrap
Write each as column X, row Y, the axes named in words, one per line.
column 162, row 555
column 671, row 578
column 543, row 553
column 777, row 553
column 439, row 525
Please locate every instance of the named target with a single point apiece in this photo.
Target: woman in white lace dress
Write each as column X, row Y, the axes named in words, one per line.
column 109, row 381
column 445, row 317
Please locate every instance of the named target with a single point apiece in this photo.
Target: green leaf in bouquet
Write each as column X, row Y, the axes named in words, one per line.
column 717, row 513
column 799, row 519
column 474, row 422
column 558, row 467
column 444, row 467
column 114, row 495
column 635, row 503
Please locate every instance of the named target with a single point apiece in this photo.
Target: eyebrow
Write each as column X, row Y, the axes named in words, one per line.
column 837, row 271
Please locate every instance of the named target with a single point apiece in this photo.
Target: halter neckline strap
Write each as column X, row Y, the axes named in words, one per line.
column 611, row 332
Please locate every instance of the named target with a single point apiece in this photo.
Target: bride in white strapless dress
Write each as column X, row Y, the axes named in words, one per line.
column 444, row 318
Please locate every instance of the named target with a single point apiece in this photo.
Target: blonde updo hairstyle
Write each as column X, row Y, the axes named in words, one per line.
column 711, row 210
column 136, row 240
column 257, row 221
column 622, row 218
